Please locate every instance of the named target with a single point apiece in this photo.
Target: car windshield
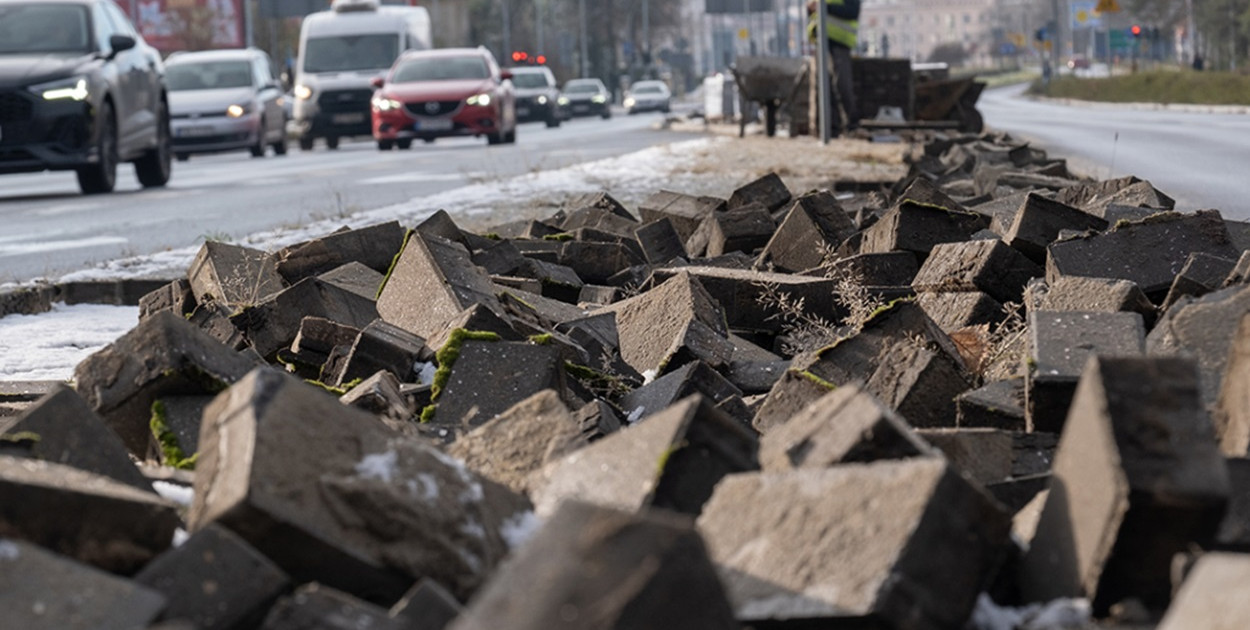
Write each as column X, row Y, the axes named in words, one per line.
column 346, row 53
column 43, row 28
column 529, row 79
column 441, row 69
column 581, row 88
column 648, row 89
column 208, row 75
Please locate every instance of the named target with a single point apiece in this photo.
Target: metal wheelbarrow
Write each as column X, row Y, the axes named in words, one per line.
column 769, row 81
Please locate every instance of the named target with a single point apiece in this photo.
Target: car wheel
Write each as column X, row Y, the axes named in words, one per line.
column 102, row 176
column 279, row 147
column 428, row 140
column 154, row 166
column 258, row 150
column 404, row 144
column 553, row 121
column 332, row 142
column 305, row 143
column 607, row 113
column 510, row 137
column 182, row 157
column 494, row 138
column 385, row 145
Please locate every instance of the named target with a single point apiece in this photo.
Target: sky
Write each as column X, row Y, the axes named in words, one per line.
column 48, row 346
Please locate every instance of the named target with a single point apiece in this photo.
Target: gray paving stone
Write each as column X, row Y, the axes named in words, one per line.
column 432, row 282
column 272, row 324
column 175, row 296
column 677, row 317
column 791, row 393
column 917, row 228
column 660, row 242
column 488, row 377
column 995, row 405
column 986, row 266
column 685, row 212
column 1211, row 596
column 955, row 310
column 319, row 607
column 355, row 277
column 1204, row 329
column 1202, row 274
column 767, row 191
column 813, row 224
column 1105, row 295
column 233, row 275
column 1039, row 221
column 374, row 247
column 741, row 293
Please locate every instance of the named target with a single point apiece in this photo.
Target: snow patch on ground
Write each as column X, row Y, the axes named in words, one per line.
column 381, row 466
column 635, row 415
column 182, row 495
column 9, row 550
column 519, row 528
column 180, row 536
column 1053, row 615
column 48, row 346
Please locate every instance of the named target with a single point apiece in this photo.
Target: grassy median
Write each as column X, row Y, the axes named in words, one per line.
column 1155, row 86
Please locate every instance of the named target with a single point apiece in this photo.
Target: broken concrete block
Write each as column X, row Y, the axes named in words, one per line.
column 846, row 425
column 917, row 228
column 692, row 378
column 750, row 298
column 355, row 277
column 660, row 242
column 165, row 354
column 214, row 319
column 599, row 219
column 330, row 494
column 1204, row 329
column 325, row 608
column 743, row 230
column 855, row 544
column 995, row 405
column 920, row 382
column 686, row 212
column 1234, row 532
column 767, row 191
column 555, row 281
column 1212, row 596
column 61, row 427
column 1202, row 274
column 1060, row 344
column 993, row 456
column 753, row 376
column 1038, row 222
column 316, row 340
column 953, row 311
column 511, row 446
column 215, row 580
column 814, row 225
column 670, row 460
column 595, row 263
column 88, row 517
column 1096, row 197
column 925, row 192
column 1232, row 410
column 598, row 295
column 1138, row 477
column 427, row 606
column 432, row 282
column 175, row 296
column 383, row 346
column 598, row 200
column 678, row 317
column 1240, row 273
column 382, row 396
column 233, row 275
column 597, row 420
column 374, row 247
column 272, row 324
column 882, row 269
column 591, row 566
column 1105, row 295
column 793, row 392
column 485, row 378
column 39, row 589
column 1147, row 252
column 986, row 266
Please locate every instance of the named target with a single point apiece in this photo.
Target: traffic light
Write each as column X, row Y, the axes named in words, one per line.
column 520, row 56
column 541, row 60
column 1135, row 31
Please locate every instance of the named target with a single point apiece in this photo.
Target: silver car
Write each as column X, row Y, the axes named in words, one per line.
column 648, row 96
column 225, row 100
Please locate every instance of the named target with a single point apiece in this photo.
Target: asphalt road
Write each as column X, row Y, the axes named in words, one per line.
column 1200, row 159
column 51, row 229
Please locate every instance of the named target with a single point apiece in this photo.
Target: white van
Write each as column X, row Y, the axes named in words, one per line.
column 340, row 51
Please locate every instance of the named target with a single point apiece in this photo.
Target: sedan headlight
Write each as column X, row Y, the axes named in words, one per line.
column 238, row 110
column 599, row 98
column 73, row 88
column 630, row 102
column 384, row 104
column 563, row 100
column 303, row 92
column 479, row 99
column 542, row 100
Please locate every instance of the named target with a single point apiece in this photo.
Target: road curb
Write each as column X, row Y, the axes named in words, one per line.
column 35, row 299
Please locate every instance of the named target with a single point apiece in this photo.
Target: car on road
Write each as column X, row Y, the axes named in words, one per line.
column 646, row 96
column 537, row 95
column 225, row 100
column 440, row 93
column 80, row 90
column 586, row 97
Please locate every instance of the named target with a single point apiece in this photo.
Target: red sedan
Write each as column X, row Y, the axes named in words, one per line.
column 432, row 94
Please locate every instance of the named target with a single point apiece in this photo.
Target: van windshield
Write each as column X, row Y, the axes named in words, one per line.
column 345, row 53
column 441, row 69
column 208, row 75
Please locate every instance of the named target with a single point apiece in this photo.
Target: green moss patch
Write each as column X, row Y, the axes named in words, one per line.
column 450, row 351
column 815, row 379
column 171, row 451
column 394, row 262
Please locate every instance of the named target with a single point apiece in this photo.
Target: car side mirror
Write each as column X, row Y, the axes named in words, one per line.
column 506, row 75
column 377, row 82
column 119, row 43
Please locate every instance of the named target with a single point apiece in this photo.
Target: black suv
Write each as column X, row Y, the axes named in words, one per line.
column 80, row 90
column 537, row 96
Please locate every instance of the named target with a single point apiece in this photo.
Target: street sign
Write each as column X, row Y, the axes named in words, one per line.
column 1108, row 6
column 744, row 34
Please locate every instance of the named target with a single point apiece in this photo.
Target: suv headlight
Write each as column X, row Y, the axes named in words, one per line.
column 599, row 98
column 238, row 110
column 74, row 88
column 479, row 99
column 542, row 100
column 303, row 92
column 563, row 100
column 383, row 104
column 630, row 102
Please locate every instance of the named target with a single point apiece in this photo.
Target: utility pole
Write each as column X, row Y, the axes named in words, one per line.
column 1055, row 37
column 581, row 11
column 507, row 31
column 822, row 70
column 1191, row 42
column 646, row 32
column 538, row 25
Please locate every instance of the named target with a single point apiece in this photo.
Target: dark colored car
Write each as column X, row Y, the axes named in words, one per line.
column 586, row 97
column 225, row 100
column 431, row 94
column 537, row 95
column 80, row 90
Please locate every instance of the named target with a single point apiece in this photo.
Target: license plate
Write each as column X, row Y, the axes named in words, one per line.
column 433, row 124
column 192, row 132
column 581, row 108
column 522, row 111
column 347, row 119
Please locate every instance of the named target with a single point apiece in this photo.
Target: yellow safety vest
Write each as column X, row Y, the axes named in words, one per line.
column 844, row 32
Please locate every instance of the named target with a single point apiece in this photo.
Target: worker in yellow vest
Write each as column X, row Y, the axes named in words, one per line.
column 842, row 32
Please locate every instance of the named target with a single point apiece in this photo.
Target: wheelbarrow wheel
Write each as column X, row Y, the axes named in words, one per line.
column 770, row 118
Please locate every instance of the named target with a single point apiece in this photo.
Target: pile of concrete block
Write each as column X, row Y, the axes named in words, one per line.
column 994, row 384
